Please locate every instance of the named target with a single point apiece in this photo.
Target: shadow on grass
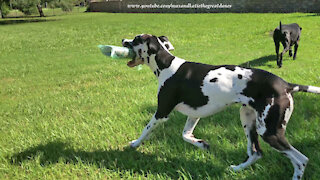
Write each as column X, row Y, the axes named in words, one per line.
column 21, row 21
column 308, row 15
column 117, row 160
column 259, row 61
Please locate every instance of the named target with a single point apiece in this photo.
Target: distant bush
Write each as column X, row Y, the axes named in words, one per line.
column 66, row 5
column 28, row 7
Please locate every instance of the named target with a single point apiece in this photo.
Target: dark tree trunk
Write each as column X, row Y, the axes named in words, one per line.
column 1, row 14
column 40, row 10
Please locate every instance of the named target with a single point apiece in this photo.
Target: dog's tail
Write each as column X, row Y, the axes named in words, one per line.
column 302, row 88
column 280, row 26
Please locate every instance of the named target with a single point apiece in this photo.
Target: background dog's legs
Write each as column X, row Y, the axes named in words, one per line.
column 147, row 131
column 248, row 119
column 277, row 46
column 295, row 50
column 286, row 47
column 290, row 51
column 189, row 137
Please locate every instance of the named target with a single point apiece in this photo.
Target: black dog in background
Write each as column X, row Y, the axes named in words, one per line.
column 288, row 35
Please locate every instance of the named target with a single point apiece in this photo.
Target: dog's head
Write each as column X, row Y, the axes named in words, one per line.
column 146, row 47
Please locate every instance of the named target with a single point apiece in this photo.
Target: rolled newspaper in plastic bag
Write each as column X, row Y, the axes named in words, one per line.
column 116, row 51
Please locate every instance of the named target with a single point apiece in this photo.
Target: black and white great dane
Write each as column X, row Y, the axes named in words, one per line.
column 199, row 90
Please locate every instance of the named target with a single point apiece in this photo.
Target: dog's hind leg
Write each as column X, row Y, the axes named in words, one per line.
column 275, row 134
column 248, row 121
column 189, row 137
column 298, row 160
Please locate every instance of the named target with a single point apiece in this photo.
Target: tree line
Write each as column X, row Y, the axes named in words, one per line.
column 29, row 7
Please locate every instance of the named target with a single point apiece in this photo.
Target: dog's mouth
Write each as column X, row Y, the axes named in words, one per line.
column 133, row 62
column 128, row 43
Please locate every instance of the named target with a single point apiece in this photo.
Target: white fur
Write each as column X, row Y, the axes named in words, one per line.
column 187, row 133
column 313, row 89
column 224, row 92
column 260, row 123
column 288, row 111
column 168, row 72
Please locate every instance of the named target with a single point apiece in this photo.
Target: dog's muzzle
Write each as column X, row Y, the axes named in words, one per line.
column 127, row 43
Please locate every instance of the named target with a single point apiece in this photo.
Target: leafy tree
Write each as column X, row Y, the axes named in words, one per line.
column 4, row 9
column 28, row 6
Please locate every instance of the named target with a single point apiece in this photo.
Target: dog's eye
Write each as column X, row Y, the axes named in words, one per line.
column 136, row 41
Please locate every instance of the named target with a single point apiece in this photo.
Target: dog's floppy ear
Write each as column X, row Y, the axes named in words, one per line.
column 153, row 45
column 166, row 42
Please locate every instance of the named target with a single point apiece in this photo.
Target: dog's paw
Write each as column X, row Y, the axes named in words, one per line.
column 290, row 53
column 134, row 144
column 205, row 145
column 236, row 168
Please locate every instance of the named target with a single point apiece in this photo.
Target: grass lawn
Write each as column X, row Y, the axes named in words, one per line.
column 68, row 112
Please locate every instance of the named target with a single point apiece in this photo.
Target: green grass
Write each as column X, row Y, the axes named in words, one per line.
column 68, row 112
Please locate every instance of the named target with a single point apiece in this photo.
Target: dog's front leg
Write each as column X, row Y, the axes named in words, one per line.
column 154, row 122
column 189, row 137
column 286, row 47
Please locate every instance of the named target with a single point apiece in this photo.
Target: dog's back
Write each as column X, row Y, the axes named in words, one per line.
column 293, row 30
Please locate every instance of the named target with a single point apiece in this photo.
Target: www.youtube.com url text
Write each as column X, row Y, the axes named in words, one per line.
column 179, row 6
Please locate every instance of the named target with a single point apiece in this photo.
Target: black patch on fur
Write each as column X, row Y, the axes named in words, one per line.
column 205, row 144
column 254, row 140
column 163, row 60
column 219, row 74
column 244, row 126
column 167, row 46
column 230, row 67
column 148, row 59
column 155, row 73
column 299, row 167
column 246, row 159
column 139, row 51
column 239, row 76
column 158, row 72
column 214, row 80
column 136, row 41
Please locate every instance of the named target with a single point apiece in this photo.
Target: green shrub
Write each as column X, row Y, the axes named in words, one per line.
column 66, row 5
